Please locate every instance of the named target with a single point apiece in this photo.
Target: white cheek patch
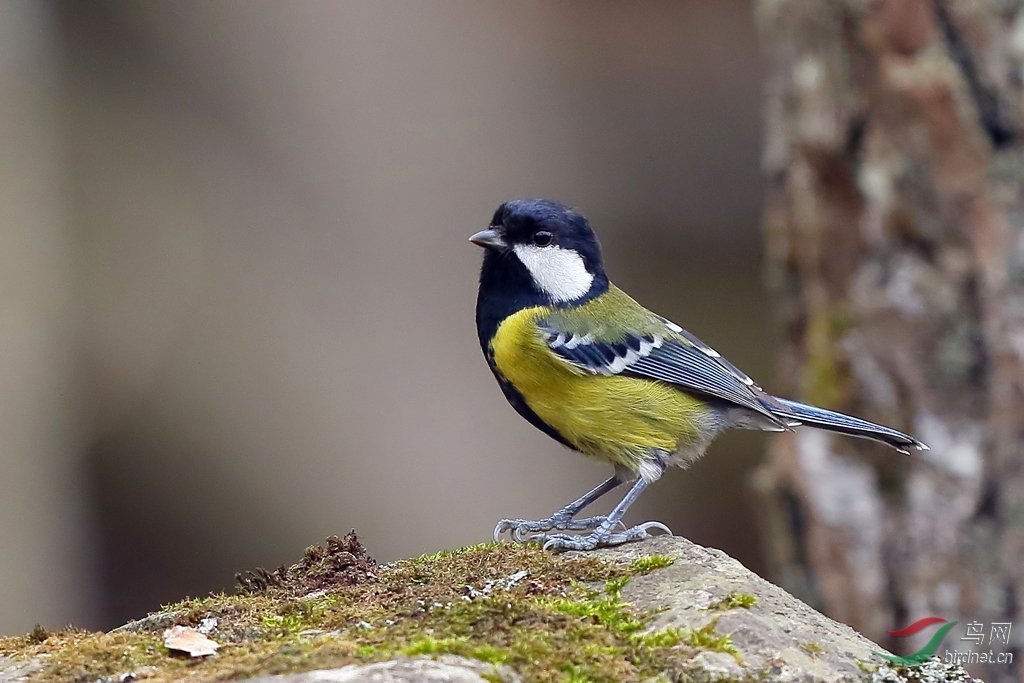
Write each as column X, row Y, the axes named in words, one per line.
column 559, row 273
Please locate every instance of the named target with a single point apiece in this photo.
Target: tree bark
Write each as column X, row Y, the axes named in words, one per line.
column 894, row 225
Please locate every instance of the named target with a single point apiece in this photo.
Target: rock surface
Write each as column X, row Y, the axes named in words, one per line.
column 779, row 634
column 13, row 671
column 779, row 638
column 729, row 626
column 445, row 669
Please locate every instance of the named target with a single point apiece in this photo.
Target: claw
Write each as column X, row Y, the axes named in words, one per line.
column 521, row 527
column 599, row 538
column 567, row 542
column 651, row 525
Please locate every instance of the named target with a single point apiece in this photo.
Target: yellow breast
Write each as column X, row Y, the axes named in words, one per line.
column 614, row 418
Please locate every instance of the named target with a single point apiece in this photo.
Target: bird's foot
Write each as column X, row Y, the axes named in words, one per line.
column 600, row 538
column 562, row 522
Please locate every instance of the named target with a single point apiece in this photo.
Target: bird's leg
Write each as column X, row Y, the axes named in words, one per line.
column 563, row 519
column 602, row 534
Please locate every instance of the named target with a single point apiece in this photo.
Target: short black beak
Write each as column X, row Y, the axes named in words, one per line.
column 490, row 239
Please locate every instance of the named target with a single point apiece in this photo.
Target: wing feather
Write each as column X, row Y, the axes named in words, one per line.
column 673, row 355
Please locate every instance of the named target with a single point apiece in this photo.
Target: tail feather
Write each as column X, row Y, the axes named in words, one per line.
column 845, row 424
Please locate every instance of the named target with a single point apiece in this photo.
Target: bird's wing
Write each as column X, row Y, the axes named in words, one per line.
column 614, row 335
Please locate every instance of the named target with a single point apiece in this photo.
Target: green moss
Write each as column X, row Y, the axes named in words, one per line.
column 667, row 638
column 498, row 603
column 644, row 565
column 428, row 645
column 604, row 608
column 38, row 634
column 706, row 638
column 574, row 674
column 866, row 667
column 492, row 676
column 734, row 600
column 285, row 624
column 811, row 648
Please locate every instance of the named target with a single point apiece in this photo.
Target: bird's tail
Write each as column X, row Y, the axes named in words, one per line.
column 844, row 424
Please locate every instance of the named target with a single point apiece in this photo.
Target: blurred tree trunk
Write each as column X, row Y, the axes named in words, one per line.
column 894, row 226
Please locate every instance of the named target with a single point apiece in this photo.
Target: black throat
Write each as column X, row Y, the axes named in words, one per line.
column 507, row 287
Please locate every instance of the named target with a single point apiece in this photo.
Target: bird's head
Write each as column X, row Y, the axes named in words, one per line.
column 543, row 245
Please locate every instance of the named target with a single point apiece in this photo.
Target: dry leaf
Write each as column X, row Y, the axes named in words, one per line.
column 187, row 639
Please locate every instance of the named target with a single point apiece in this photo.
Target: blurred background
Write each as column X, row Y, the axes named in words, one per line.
column 236, row 296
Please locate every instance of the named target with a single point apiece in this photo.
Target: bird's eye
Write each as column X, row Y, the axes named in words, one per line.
column 542, row 238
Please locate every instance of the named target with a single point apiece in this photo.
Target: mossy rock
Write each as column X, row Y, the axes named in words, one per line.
column 663, row 610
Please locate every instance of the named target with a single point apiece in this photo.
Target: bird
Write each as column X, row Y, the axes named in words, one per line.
column 590, row 367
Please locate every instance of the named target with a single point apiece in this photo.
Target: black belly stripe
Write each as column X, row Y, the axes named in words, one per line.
column 517, row 401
